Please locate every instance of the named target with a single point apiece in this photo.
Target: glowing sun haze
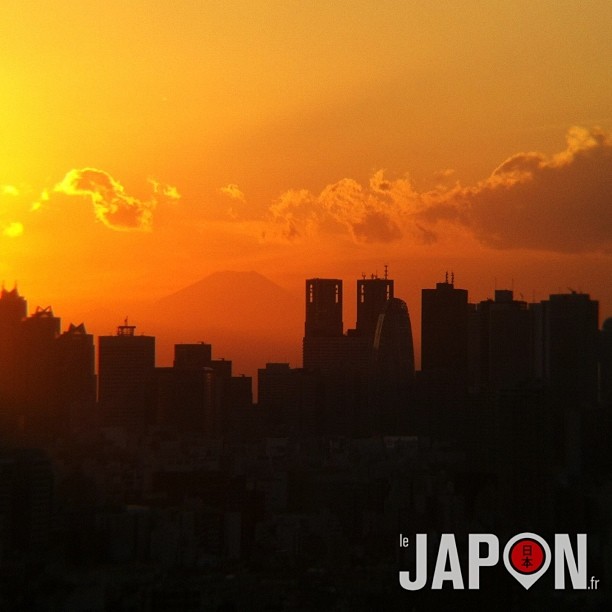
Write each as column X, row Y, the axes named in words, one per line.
column 146, row 144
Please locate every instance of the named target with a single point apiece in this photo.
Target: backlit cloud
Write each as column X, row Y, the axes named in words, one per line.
column 13, row 229
column 164, row 190
column 9, row 190
column 377, row 212
column 112, row 205
column 233, row 191
column 560, row 202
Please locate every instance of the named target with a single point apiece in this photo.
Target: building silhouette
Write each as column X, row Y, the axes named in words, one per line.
column 323, row 308
column 126, row 364
column 605, row 363
column 372, row 297
column 37, row 364
column 567, row 336
column 501, row 343
column 75, row 376
column 364, row 374
column 444, row 331
column 13, row 309
column 199, row 394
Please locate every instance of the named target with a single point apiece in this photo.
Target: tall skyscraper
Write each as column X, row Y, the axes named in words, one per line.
column 605, row 364
column 75, row 374
column 366, row 372
column 13, row 309
column 444, row 330
column 200, row 394
column 392, row 349
column 192, row 356
column 372, row 297
column 323, row 308
column 126, row 364
column 37, row 367
column 501, row 341
column 568, row 329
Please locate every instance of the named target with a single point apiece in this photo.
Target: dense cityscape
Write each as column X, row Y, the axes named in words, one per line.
column 167, row 488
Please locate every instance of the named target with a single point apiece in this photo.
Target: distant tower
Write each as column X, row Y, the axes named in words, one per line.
column 372, row 297
column 37, row 364
column 323, row 307
column 13, row 309
column 192, row 356
column 501, row 342
column 568, row 328
column 605, row 363
column 75, row 374
column 444, row 330
column 392, row 368
column 393, row 350
column 126, row 365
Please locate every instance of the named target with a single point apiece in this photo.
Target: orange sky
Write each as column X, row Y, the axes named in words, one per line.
column 144, row 145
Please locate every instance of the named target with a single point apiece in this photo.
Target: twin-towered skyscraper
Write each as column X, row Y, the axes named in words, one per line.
column 364, row 375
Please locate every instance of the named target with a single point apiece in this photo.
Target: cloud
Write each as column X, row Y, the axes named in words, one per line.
column 112, row 205
column 162, row 189
column 9, row 190
column 13, row 229
column 376, row 212
column 560, row 202
column 11, row 206
column 233, row 191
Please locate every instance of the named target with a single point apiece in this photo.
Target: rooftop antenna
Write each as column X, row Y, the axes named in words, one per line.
column 452, row 278
column 386, row 271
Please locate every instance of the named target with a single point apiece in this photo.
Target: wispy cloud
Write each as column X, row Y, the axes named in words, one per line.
column 9, row 190
column 112, row 206
column 233, row 191
column 14, row 229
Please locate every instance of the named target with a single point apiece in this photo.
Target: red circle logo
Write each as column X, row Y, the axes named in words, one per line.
column 527, row 556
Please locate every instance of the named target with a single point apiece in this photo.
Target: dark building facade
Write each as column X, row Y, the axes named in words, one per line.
column 372, row 297
column 501, row 343
column 199, row 394
column 444, row 331
column 365, row 373
column 126, row 364
column 605, row 363
column 323, row 308
column 75, row 375
column 568, row 336
column 13, row 309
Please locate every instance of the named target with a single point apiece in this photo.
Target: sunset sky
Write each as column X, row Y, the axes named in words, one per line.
column 146, row 144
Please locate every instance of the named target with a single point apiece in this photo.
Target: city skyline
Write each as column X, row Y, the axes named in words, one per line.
column 206, row 137
column 347, row 319
column 304, row 280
